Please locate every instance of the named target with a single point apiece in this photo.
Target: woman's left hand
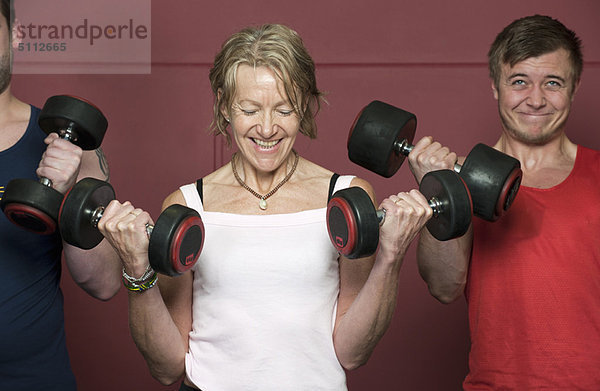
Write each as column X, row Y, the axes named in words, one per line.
column 406, row 214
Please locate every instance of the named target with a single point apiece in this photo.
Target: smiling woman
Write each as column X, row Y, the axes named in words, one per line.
column 264, row 124
column 259, row 303
column 280, row 50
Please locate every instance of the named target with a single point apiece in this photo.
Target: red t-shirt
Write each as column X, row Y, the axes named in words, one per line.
column 534, row 288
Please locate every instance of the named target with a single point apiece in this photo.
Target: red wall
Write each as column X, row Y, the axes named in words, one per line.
column 428, row 57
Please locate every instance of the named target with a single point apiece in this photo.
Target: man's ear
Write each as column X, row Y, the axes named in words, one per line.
column 575, row 89
column 16, row 34
column 494, row 90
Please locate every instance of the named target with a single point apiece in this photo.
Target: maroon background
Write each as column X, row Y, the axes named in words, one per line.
column 428, row 57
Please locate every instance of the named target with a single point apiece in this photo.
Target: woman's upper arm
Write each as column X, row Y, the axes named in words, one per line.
column 174, row 198
column 177, row 295
column 354, row 272
column 177, row 292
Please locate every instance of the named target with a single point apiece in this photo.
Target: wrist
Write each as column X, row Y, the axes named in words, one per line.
column 147, row 280
column 135, row 265
column 389, row 258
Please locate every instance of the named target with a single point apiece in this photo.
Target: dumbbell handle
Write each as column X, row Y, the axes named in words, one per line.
column 99, row 211
column 68, row 134
column 434, row 203
column 404, row 147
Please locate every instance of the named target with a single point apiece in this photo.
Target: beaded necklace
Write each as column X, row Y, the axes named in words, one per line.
column 262, row 203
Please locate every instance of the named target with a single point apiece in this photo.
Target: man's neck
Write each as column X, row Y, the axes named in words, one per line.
column 544, row 165
column 14, row 117
column 5, row 98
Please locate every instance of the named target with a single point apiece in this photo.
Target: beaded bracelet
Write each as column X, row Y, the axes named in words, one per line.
column 141, row 287
column 145, row 282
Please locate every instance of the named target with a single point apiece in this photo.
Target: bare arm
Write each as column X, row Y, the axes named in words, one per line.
column 97, row 271
column 160, row 318
column 444, row 265
column 160, row 321
column 369, row 286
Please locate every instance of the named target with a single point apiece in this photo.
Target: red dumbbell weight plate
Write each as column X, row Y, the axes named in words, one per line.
column 493, row 178
column 31, row 205
column 352, row 223
column 176, row 240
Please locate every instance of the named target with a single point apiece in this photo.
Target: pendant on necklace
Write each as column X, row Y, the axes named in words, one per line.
column 262, row 204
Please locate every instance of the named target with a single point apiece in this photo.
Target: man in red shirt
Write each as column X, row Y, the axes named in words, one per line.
column 531, row 279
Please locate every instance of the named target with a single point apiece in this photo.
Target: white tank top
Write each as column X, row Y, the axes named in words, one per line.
column 265, row 296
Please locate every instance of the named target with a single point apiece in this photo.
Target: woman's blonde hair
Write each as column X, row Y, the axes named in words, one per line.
column 281, row 50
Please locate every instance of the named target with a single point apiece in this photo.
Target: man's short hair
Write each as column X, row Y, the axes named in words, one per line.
column 534, row 36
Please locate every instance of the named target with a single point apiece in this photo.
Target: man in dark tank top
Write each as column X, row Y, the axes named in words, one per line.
column 33, row 353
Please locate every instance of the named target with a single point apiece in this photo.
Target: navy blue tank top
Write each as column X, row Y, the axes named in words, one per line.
column 33, row 352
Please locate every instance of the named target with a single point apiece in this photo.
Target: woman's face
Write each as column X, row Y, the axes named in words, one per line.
column 263, row 121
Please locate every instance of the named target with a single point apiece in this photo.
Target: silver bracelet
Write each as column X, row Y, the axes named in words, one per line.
column 147, row 274
column 139, row 285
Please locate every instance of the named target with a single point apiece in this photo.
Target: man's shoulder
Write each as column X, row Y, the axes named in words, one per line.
column 587, row 152
column 588, row 159
column 14, row 124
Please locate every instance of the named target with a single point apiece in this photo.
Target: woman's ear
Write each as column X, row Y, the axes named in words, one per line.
column 222, row 108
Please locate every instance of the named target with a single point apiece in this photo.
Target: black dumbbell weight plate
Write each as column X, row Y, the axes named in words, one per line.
column 493, row 178
column 450, row 191
column 77, row 212
column 62, row 110
column 374, row 135
column 352, row 223
column 176, row 240
column 31, row 205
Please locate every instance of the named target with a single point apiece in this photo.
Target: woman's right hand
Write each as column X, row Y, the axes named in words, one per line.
column 124, row 226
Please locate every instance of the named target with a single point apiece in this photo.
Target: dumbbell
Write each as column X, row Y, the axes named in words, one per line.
column 353, row 223
column 32, row 204
column 176, row 239
column 381, row 137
